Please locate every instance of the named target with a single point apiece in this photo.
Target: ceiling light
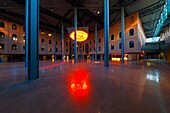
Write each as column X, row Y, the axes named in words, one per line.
column 98, row 12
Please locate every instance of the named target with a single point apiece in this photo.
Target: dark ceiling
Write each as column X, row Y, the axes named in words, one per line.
column 90, row 12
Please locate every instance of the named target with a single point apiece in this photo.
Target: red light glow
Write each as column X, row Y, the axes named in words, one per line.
column 79, row 85
column 81, row 35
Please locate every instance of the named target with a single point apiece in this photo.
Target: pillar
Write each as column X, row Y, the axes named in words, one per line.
column 97, row 42
column 122, row 33
column 62, row 33
column 106, row 33
column 75, row 39
column 32, row 38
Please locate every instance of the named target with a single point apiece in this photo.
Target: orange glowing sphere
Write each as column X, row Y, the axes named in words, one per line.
column 80, row 35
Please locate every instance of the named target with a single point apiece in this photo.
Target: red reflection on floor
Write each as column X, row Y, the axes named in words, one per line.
column 79, row 84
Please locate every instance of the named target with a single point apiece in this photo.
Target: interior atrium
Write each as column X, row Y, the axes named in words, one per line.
column 84, row 56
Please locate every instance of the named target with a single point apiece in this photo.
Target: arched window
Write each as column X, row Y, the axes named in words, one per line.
column 120, row 34
column 112, row 47
column 42, row 40
column 2, row 46
column 14, row 47
column 112, row 37
column 14, row 26
column 14, row 37
column 99, row 48
column 131, row 32
column 131, row 44
column 2, row 35
column 120, row 45
column 49, row 42
column 42, row 48
column 23, row 46
column 2, row 24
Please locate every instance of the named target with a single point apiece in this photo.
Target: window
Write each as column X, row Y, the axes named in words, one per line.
column 24, row 29
column 90, row 42
column 14, row 47
column 66, row 50
column 2, row 46
column 49, row 42
column 42, row 33
column 56, row 49
column 42, row 48
column 2, row 24
column 49, row 49
column 99, row 40
column 120, row 34
column 23, row 46
column 94, row 41
column 2, row 35
column 50, row 34
column 66, row 44
column 83, row 48
column 131, row 44
column 112, row 47
column 112, row 37
column 99, row 48
column 120, row 45
column 14, row 26
column 94, row 49
column 131, row 32
column 14, row 37
column 90, row 49
column 23, row 38
column 56, row 42
column 42, row 40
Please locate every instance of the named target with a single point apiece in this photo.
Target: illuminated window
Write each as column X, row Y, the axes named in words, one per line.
column 49, row 49
column 23, row 46
column 120, row 45
column 99, row 48
column 14, row 47
column 112, row 47
column 131, row 44
column 42, row 40
column 2, row 46
column 49, row 42
column 2, row 35
column 49, row 34
column 14, row 37
column 42, row 33
column 120, row 35
column 131, row 32
column 2, row 25
column 23, row 38
column 99, row 40
column 14, row 26
column 42, row 48
column 112, row 37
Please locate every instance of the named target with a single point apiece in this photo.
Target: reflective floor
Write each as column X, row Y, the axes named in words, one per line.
column 86, row 87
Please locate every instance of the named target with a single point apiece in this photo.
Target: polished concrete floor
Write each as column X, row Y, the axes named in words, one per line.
column 86, row 87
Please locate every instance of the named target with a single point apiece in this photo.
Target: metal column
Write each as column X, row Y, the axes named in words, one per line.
column 96, row 41
column 106, row 33
column 55, row 58
column 75, row 39
column 32, row 37
column 122, row 33
column 62, row 33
